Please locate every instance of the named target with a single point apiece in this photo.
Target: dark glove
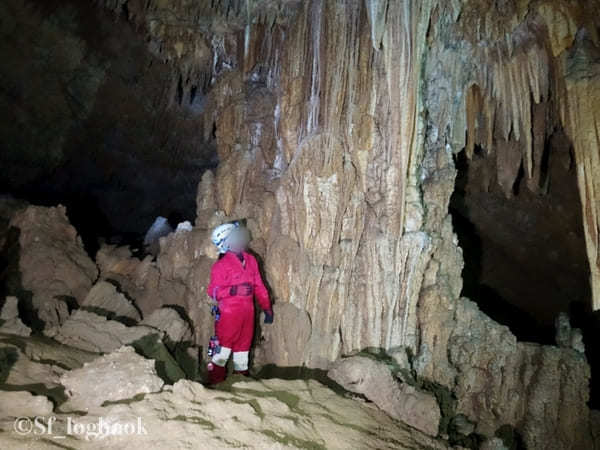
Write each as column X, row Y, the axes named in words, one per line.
column 268, row 316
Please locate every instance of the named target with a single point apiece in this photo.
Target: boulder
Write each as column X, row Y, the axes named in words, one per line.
column 374, row 380
column 117, row 376
column 53, row 264
column 23, row 404
column 138, row 279
column 104, row 299
column 92, row 332
column 35, row 364
column 9, row 319
column 169, row 320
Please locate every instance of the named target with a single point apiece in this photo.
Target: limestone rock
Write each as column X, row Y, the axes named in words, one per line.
column 23, row 404
column 94, row 333
column 515, row 381
column 105, row 300
column 53, row 264
column 285, row 341
column 138, row 279
column 171, row 323
column 9, row 319
column 36, row 362
column 401, row 401
column 493, row 444
column 116, row 376
column 258, row 414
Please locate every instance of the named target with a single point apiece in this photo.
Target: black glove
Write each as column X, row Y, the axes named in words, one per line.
column 268, row 316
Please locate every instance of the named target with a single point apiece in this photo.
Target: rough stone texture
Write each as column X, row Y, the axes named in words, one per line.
column 345, row 177
column 171, row 323
column 287, row 339
column 270, row 414
column 23, row 404
column 532, row 377
column 177, row 278
column 52, row 262
column 493, row 444
column 28, row 362
column 105, row 300
column 116, row 376
column 9, row 318
column 138, row 279
column 401, row 401
column 95, row 333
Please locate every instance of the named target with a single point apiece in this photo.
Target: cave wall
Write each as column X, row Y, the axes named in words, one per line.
column 337, row 125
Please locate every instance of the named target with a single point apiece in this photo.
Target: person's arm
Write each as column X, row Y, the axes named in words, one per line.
column 260, row 291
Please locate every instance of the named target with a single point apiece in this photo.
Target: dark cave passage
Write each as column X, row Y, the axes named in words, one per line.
column 90, row 121
column 524, row 254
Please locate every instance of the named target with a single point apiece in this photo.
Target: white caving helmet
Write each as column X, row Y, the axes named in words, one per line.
column 230, row 236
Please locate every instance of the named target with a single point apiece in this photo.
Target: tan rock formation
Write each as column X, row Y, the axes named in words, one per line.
column 116, row 376
column 260, row 414
column 336, row 133
column 401, row 401
column 52, row 262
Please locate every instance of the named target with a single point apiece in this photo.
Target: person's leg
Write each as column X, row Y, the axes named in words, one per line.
column 227, row 331
column 219, row 371
column 241, row 348
column 240, row 362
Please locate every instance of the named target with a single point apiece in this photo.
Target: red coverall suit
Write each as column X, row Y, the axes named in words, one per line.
column 235, row 328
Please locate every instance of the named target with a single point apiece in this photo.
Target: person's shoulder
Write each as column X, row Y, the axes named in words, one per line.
column 250, row 257
column 219, row 262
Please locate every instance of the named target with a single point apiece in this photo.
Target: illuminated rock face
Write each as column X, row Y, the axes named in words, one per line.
column 336, row 124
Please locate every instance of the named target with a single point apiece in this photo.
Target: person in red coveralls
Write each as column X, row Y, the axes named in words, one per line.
column 234, row 283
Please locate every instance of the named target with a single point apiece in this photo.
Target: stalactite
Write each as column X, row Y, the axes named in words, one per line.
column 513, row 86
column 581, row 115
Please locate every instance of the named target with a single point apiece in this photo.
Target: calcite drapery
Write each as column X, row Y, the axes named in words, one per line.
column 336, row 133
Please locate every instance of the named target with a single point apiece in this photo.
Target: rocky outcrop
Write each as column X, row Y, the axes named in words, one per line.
column 9, row 318
column 105, row 300
column 168, row 320
column 24, row 404
column 500, row 381
column 286, row 342
column 258, row 414
column 401, row 401
column 36, row 363
column 53, row 265
column 95, row 333
column 117, row 376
